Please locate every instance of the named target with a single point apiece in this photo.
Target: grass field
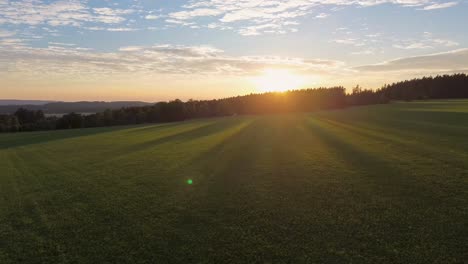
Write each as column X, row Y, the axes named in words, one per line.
column 375, row 184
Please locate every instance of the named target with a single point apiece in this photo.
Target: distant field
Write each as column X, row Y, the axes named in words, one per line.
column 375, row 184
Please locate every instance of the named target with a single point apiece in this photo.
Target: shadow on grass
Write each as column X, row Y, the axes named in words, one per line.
column 434, row 116
column 219, row 151
column 367, row 132
column 13, row 140
column 187, row 135
column 374, row 169
column 220, row 188
column 158, row 126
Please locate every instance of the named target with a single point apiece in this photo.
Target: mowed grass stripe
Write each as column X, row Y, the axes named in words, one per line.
column 377, row 184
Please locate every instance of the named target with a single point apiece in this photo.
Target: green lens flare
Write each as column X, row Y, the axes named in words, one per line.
column 189, row 182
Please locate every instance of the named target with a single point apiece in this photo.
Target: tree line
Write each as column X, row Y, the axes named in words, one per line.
column 307, row 100
column 68, row 107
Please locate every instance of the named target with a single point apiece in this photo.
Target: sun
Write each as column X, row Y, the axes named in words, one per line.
column 277, row 80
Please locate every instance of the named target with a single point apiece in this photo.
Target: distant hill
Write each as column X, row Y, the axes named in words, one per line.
column 68, row 107
column 23, row 102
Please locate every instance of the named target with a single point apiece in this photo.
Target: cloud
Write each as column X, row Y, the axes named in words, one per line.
column 417, row 45
column 121, row 29
column 12, row 42
column 58, row 13
column 249, row 15
column 148, row 61
column 322, row 15
column 131, row 48
column 440, row 5
column 61, row 44
column 111, row 29
column 201, row 12
column 152, row 17
column 372, row 43
column 426, row 41
column 453, row 61
column 4, row 33
column 105, row 11
column 350, row 41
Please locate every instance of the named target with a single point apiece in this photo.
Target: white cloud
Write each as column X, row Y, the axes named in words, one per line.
column 452, row 61
column 374, row 41
column 112, row 12
column 61, row 44
column 131, row 48
column 426, row 41
column 201, row 12
column 152, row 17
column 256, row 13
column 12, row 42
column 4, row 33
column 179, row 22
column 121, row 29
column 111, row 29
column 417, row 45
column 58, row 13
column 350, row 41
column 322, row 15
column 147, row 61
column 440, row 5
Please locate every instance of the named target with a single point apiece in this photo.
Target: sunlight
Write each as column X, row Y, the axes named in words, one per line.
column 278, row 80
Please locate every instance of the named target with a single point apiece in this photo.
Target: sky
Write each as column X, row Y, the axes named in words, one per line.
column 153, row 50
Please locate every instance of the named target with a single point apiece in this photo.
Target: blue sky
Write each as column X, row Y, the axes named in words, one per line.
column 158, row 50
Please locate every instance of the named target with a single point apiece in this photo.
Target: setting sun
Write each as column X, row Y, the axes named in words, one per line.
column 278, row 80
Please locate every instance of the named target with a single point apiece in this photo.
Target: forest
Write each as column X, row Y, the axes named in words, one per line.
column 307, row 100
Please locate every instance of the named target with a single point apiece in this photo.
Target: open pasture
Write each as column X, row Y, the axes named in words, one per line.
column 374, row 184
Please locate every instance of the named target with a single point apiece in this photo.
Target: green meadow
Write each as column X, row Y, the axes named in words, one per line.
column 373, row 184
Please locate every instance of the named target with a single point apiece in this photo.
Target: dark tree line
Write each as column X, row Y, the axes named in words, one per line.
column 68, row 107
column 439, row 87
column 308, row 100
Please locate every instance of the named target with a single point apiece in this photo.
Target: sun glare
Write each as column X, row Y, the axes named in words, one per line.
column 278, row 80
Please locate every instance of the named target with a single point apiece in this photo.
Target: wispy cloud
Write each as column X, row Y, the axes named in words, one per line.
column 152, row 17
column 350, row 41
column 440, row 5
column 112, row 29
column 456, row 60
column 149, row 60
column 426, row 41
column 58, row 13
column 61, row 44
column 254, row 14
column 4, row 33
column 322, row 15
column 371, row 42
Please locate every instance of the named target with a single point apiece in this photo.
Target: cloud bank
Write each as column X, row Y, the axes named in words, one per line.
column 67, row 59
column 452, row 61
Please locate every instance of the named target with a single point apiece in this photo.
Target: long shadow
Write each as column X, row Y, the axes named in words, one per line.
column 13, row 140
column 202, row 168
column 367, row 132
column 434, row 116
column 157, row 126
column 197, row 132
column 397, row 177
column 216, row 173
column 372, row 168
column 401, row 138
column 205, row 159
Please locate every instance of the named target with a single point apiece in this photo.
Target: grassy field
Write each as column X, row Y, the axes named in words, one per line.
column 376, row 184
